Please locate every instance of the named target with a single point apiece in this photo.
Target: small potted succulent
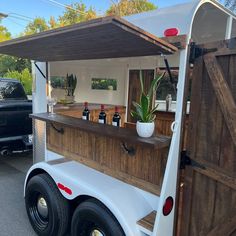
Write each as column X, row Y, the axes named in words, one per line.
column 70, row 85
column 144, row 111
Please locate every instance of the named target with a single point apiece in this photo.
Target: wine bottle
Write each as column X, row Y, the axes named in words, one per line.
column 86, row 112
column 116, row 118
column 102, row 116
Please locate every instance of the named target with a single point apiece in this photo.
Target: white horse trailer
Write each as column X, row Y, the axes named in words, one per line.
column 61, row 193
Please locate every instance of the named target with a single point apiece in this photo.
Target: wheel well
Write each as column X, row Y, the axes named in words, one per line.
column 74, row 203
column 77, row 201
column 34, row 173
column 82, row 198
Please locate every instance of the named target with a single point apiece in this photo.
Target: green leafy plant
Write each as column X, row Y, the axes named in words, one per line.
column 144, row 111
column 70, row 84
column 24, row 77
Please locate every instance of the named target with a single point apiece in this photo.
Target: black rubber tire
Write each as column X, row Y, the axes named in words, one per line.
column 57, row 221
column 91, row 215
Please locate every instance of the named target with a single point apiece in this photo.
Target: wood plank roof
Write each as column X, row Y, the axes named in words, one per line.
column 107, row 37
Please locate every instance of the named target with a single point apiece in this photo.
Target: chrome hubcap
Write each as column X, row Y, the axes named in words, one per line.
column 96, row 232
column 42, row 207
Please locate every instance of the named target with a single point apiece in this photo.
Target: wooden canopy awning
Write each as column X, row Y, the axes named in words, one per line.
column 108, row 37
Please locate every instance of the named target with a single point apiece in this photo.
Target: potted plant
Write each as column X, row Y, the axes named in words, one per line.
column 144, row 112
column 70, row 85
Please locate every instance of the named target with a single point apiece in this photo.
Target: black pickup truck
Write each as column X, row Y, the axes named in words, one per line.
column 15, row 124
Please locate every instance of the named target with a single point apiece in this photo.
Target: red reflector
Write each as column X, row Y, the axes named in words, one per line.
column 168, row 206
column 64, row 188
column 171, row 32
column 68, row 191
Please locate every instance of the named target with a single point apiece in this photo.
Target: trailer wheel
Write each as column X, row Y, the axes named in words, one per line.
column 92, row 218
column 47, row 209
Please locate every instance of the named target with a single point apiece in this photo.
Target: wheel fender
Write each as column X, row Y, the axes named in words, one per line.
column 127, row 203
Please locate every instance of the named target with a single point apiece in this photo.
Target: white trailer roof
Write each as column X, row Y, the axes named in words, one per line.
column 179, row 16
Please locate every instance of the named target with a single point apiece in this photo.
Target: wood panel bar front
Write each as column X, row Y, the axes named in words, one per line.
column 105, row 149
column 76, row 110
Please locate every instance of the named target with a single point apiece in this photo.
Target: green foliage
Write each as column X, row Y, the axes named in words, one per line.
column 76, row 13
column 24, row 77
column 104, row 84
column 128, row 7
column 57, row 82
column 144, row 111
column 231, row 4
column 53, row 23
column 38, row 25
column 9, row 63
column 4, row 34
column 166, row 87
column 70, row 84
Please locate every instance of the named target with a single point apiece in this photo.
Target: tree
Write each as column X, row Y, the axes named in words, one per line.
column 38, row 25
column 9, row 63
column 231, row 4
column 53, row 23
column 76, row 13
column 128, row 7
column 24, row 77
column 4, row 34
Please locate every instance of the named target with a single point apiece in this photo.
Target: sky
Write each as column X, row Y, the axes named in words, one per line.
column 22, row 11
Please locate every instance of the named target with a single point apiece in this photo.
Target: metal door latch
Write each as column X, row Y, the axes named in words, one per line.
column 187, row 161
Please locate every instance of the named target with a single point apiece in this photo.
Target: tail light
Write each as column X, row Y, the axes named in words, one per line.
column 171, row 32
column 168, row 206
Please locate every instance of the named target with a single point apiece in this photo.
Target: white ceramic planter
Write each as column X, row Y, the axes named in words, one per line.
column 145, row 130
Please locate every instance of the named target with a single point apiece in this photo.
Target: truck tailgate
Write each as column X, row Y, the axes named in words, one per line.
column 14, row 119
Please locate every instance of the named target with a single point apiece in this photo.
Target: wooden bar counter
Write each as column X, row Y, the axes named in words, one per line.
column 76, row 110
column 115, row 151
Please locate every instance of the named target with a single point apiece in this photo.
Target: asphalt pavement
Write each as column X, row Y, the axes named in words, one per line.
column 13, row 217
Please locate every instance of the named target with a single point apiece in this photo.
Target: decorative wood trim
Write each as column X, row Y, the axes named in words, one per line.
column 223, row 93
column 152, row 188
column 225, row 227
column 225, row 52
column 179, row 41
column 196, row 96
column 148, row 221
column 209, row 190
column 125, row 135
column 182, row 146
column 129, row 27
column 113, row 37
column 216, row 173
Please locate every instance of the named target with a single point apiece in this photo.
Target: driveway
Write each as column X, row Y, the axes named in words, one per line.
column 13, row 217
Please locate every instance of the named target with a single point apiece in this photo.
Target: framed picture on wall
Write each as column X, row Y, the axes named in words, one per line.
column 58, row 81
column 104, row 84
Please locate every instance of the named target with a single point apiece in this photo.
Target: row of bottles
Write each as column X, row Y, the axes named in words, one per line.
column 102, row 115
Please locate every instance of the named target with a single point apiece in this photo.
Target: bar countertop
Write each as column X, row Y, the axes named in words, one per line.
column 80, row 106
column 123, row 134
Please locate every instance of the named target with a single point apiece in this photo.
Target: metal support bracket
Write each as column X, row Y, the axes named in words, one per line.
column 196, row 51
column 128, row 150
column 44, row 76
column 187, row 161
column 60, row 131
column 172, row 81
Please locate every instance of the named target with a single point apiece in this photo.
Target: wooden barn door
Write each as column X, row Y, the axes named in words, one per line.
column 135, row 88
column 209, row 204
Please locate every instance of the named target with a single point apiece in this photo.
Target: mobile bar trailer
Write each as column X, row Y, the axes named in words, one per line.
column 97, row 179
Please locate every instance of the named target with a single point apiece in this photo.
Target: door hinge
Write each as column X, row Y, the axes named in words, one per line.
column 187, row 161
column 197, row 51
